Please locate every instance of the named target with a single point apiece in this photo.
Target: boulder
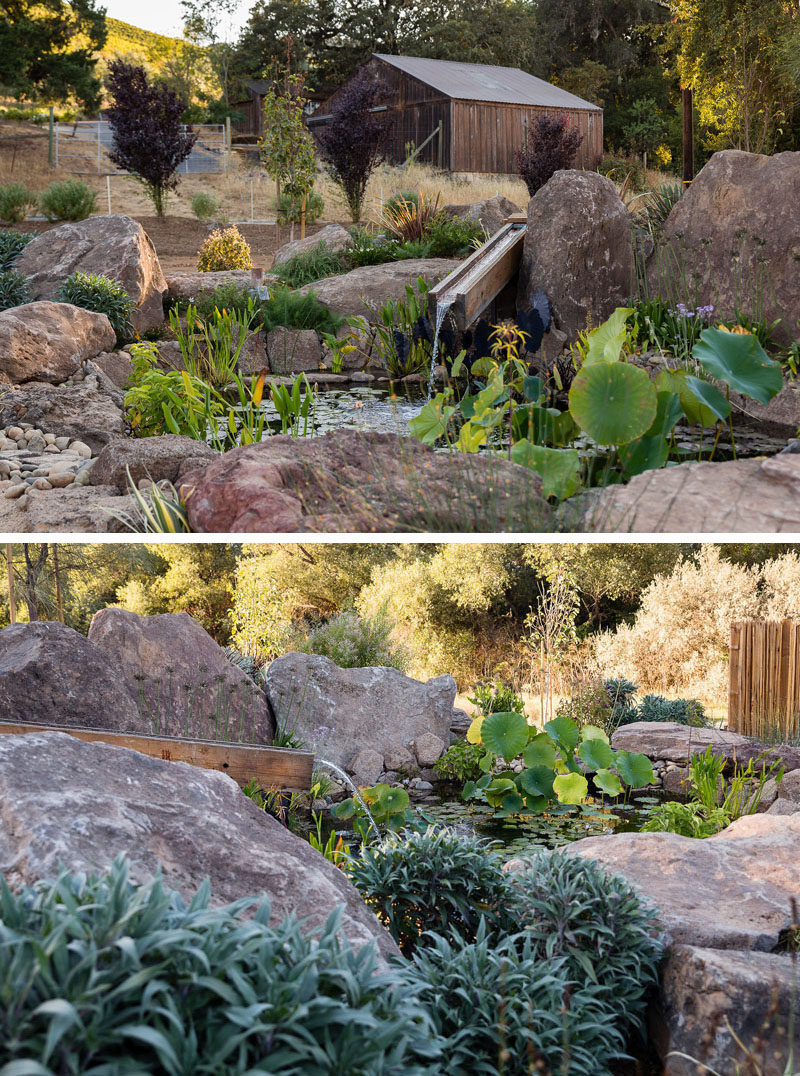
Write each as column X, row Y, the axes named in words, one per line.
column 292, row 351
column 183, row 681
column 759, row 496
column 578, row 249
column 114, row 246
column 341, row 713
column 64, row 802
column 398, row 758
column 77, row 509
column 192, row 285
column 51, row 675
column 668, row 741
column 334, row 236
column 350, row 480
column 735, row 234
column 155, row 458
column 117, row 366
column 708, row 996
column 366, row 767
column 784, row 807
column 48, row 341
column 89, row 410
column 781, row 413
column 489, row 213
column 429, row 748
column 729, row 891
column 365, row 290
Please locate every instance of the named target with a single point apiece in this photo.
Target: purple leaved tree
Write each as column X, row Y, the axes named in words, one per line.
column 551, row 144
column 145, row 121
column 353, row 140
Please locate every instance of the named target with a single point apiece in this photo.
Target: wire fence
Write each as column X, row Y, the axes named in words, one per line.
column 83, row 147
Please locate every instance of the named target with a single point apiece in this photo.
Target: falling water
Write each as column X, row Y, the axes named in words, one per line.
column 340, row 772
column 442, row 306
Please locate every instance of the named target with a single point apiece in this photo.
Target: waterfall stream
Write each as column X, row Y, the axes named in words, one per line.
column 340, row 773
column 442, row 306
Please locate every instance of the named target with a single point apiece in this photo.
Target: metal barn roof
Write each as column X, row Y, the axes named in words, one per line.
column 482, row 82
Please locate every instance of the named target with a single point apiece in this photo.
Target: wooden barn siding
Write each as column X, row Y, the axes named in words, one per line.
column 486, row 135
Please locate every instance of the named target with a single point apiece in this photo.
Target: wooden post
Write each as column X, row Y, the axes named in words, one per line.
column 228, row 144
column 441, row 147
column 51, row 138
column 59, row 595
column 12, row 600
column 688, row 136
column 734, row 679
column 303, row 218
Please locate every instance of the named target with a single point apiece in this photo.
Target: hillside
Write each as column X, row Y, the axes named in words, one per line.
column 124, row 38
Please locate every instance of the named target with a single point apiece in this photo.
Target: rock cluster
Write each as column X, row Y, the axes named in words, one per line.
column 31, row 459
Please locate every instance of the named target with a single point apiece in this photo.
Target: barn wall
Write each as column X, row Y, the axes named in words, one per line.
column 486, row 135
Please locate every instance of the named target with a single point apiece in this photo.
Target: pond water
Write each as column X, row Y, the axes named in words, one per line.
column 361, row 407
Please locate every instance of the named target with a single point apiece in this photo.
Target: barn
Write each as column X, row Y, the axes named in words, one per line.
column 471, row 117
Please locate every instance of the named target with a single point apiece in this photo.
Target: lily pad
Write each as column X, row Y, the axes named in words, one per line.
column 741, row 362
column 613, row 402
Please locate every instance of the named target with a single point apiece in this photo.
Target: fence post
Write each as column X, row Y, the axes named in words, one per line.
column 108, row 192
column 99, row 169
column 734, row 679
column 228, row 144
column 50, row 136
column 12, row 600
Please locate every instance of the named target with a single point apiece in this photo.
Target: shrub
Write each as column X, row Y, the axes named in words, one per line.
column 436, row 880
column 311, row 265
column 15, row 200
column 103, row 296
column 589, row 704
column 410, row 220
column 356, row 642
column 204, row 206
column 571, row 908
column 224, row 249
column 14, row 290
column 501, row 1009
column 99, row 975
column 459, row 763
column 70, row 200
column 657, row 708
column 12, row 245
column 621, row 169
column 686, row 819
column 287, row 308
column 291, row 208
column 453, row 237
column 497, row 698
column 550, row 145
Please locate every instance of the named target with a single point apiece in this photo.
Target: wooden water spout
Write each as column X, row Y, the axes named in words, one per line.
column 477, row 281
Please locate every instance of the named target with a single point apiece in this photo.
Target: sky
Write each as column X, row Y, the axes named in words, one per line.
column 160, row 16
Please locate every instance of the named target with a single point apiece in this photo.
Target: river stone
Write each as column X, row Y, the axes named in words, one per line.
column 293, row 351
column 729, row 891
column 701, row 988
column 759, row 496
column 429, row 747
column 353, row 481
column 48, row 341
column 184, row 682
column 578, row 250
column 65, row 802
column 52, row 675
column 669, row 741
column 113, row 246
column 155, row 458
column 490, row 213
column 89, row 410
column 365, row 290
column 77, row 509
column 735, row 235
column 334, row 236
column 341, row 712
column 366, row 767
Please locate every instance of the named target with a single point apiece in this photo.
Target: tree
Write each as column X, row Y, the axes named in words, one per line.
column 287, row 148
column 550, row 145
column 211, row 23
column 353, row 140
column 147, row 140
column 48, row 47
column 646, row 127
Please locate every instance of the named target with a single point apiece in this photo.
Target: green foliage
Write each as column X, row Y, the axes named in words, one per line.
column 204, row 206
column 286, row 308
column 12, row 245
column 495, row 697
column 500, row 1008
column 686, row 819
column 311, row 265
column 357, row 642
column 434, row 880
column 224, row 249
column 656, row 205
column 397, row 341
column 573, row 909
column 453, row 237
column 460, row 763
column 291, row 208
column 657, row 708
column 287, row 147
column 621, row 169
column 14, row 289
column 381, row 808
column 211, row 346
column 158, row 510
column 99, row 975
column 70, row 200
column 15, row 201
column 740, row 361
column 102, row 295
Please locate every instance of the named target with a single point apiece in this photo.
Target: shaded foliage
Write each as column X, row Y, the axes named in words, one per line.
column 550, row 145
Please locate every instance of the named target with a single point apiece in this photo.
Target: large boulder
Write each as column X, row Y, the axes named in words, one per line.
column 708, row 993
column 89, row 410
column 754, row 495
column 735, row 234
column 292, row 351
column 184, row 683
column 114, row 246
column 578, row 250
column 365, row 290
column 68, row 803
column 155, row 458
column 51, row 675
column 349, row 480
column 729, row 891
column 192, row 285
column 343, row 713
column 668, row 741
column 48, row 341
column 490, row 213
column 334, row 236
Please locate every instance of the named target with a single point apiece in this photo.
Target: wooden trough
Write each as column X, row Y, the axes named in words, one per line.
column 476, row 282
column 277, row 768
